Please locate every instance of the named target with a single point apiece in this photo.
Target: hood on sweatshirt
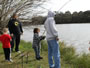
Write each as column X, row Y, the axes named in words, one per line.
column 50, row 14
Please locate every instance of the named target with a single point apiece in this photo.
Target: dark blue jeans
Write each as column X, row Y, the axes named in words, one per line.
column 37, row 51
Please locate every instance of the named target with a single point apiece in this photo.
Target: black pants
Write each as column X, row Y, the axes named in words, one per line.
column 16, row 39
column 7, row 53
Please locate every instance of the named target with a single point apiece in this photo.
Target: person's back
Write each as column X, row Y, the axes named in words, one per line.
column 15, row 26
column 52, row 40
column 50, row 27
column 36, row 40
column 5, row 39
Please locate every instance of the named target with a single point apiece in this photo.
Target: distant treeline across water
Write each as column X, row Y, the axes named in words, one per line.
column 66, row 18
column 75, row 17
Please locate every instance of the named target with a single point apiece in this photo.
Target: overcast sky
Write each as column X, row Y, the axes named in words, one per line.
column 73, row 5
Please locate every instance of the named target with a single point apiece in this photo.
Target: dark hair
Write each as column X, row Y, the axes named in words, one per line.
column 35, row 30
column 13, row 16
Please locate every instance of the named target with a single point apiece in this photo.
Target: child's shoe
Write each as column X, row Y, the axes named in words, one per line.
column 18, row 51
column 10, row 60
column 38, row 58
column 41, row 57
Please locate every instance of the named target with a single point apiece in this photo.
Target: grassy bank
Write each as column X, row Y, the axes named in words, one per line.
column 69, row 59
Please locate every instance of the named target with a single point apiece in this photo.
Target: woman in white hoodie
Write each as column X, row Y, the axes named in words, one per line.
column 52, row 40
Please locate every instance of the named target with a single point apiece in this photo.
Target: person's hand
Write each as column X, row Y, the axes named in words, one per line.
column 11, row 35
column 21, row 33
column 10, row 39
column 89, row 42
column 57, row 39
column 44, row 37
column 89, row 48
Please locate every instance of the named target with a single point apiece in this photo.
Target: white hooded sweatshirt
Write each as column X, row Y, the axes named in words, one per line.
column 50, row 27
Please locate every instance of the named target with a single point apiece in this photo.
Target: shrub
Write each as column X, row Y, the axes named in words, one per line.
column 44, row 45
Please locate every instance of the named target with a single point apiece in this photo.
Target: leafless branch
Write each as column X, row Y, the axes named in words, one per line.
column 23, row 7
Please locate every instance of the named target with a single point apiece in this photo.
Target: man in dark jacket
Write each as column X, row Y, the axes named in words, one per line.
column 15, row 29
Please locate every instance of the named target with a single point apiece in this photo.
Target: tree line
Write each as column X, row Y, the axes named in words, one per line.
column 75, row 17
column 66, row 18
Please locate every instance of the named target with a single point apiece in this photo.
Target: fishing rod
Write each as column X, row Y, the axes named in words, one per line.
column 58, row 10
column 49, row 10
column 64, row 5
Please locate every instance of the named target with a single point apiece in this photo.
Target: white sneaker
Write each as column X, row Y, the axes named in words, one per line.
column 10, row 60
column 19, row 51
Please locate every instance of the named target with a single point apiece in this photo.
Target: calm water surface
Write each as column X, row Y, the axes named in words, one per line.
column 77, row 35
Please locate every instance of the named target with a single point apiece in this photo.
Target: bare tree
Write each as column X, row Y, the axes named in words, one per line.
column 22, row 7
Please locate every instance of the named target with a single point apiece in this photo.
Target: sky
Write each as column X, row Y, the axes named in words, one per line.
column 73, row 5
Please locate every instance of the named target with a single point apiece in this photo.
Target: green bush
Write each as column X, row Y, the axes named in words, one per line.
column 67, row 52
column 25, row 46
column 82, row 61
column 44, row 45
column 69, row 57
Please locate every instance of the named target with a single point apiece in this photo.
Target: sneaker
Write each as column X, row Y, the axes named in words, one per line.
column 38, row 58
column 10, row 60
column 18, row 51
column 41, row 57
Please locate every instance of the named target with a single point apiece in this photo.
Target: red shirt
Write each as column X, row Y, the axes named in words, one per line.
column 5, row 39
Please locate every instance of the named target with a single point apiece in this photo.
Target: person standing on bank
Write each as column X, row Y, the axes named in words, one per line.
column 52, row 40
column 15, row 29
column 5, row 39
column 37, row 43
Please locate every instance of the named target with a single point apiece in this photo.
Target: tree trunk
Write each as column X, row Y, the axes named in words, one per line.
column 1, row 27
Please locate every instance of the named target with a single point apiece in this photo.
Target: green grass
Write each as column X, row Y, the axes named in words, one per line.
column 32, row 62
column 69, row 59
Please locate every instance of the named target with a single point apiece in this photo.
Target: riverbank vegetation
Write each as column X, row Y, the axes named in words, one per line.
column 69, row 59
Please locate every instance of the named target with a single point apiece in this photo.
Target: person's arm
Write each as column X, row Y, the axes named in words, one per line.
column 39, row 38
column 10, row 27
column 0, row 38
column 42, row 37
column 9, row 37
column 21, row 28
column 53, row 28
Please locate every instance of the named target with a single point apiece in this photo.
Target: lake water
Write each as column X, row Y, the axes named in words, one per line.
column 77, row 35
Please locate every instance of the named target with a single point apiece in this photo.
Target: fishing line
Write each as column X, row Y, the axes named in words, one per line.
column 64, row 5
column 49, row 10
